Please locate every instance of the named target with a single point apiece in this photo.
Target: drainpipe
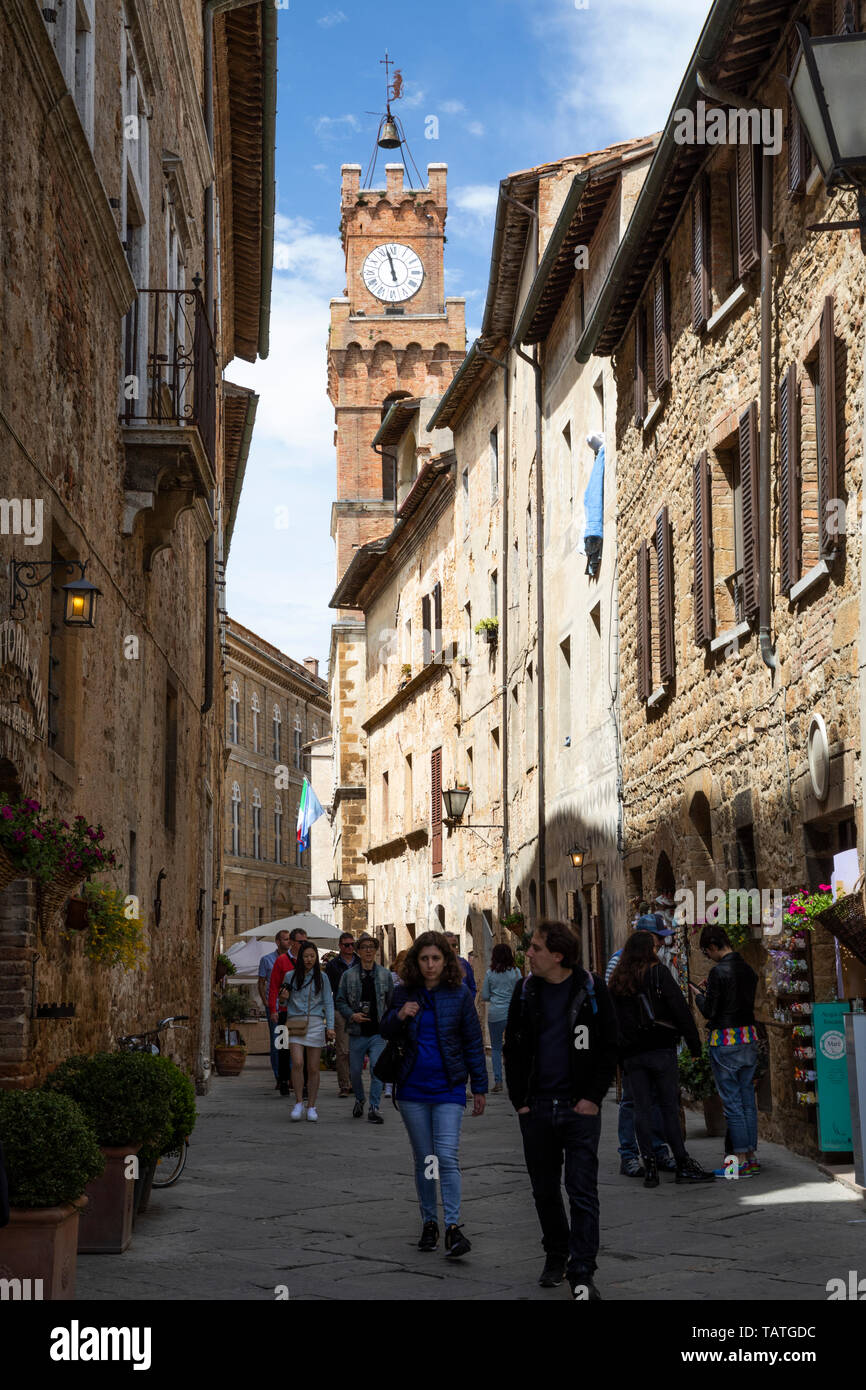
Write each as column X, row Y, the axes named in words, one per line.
column 539, row 609
column 764, row 557
column 503, row 622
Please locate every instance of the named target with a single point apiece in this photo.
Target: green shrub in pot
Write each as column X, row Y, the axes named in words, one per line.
column 696, row 1074
column 181, row 1118
column 49, row 1146
column 126, row 1098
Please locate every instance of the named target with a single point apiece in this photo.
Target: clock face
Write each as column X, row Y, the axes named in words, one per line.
column 393, row 272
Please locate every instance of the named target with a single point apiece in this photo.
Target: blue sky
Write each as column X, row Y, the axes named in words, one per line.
column 512, row 83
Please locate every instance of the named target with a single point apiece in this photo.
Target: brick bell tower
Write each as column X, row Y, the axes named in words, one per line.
column 392, row 335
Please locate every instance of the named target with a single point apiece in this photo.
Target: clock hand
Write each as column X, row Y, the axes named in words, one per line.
column 391, row 264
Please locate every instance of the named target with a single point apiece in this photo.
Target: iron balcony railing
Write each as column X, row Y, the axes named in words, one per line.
column 170, row 364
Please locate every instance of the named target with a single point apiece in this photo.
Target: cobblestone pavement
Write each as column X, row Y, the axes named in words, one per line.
column 329, row 1212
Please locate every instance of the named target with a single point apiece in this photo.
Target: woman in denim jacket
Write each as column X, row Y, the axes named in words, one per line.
column 308, row 992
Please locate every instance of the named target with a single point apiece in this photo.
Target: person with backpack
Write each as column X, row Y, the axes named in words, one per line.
column 653, row 1016
column 497, row 990
column 560, row 1057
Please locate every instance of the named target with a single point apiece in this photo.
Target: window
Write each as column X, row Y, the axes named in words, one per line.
column 170, row 770
column 234, row 708
column 494, row 766
column 315, row 732
column 237, row 917
column 134, row 204
column 564, row 690
column 595, row 691
column 278, row 830
column 257, row 824
column 639, row 367
column 436, row 811
column 470, row 768
column 725, row 532
column 133, row 863
column 809, row 481
column 276, row 724
column 407, row 642
column 296, row 742
column 408, row 792
column 426, row 642
column 530, row 717
column 514, row 730
column 236, row 820
column 386, row 802
column 256, row 709
column 437, row 620
column 552, row 900
column 494, row 593
column 567, row 474
column 494, row 464
column 655, row 643
column 70, row 27
column 465, row 478
column 467, row 611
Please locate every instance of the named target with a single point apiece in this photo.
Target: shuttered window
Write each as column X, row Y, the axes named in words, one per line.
column 748, row 440
column 437, row 620
column 700, row 256
column 747, row 208
column 703, row 587
column 799, row 151
column 640, row 367
column 826, row 428
column 789, row 478
column 665, row 573
column 661, row 328
column 436, row 811
column 426, row 642
column 644, row 628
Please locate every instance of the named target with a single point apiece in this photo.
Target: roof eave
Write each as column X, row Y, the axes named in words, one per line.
column 551, row 252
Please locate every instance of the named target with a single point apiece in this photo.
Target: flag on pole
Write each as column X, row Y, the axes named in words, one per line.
column 309, row 811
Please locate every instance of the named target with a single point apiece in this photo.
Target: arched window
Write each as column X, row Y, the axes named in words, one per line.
column 276, row 721
column 257, row 824
column 256, row 709
column 236, row 818
column 315, row 731
column 297, row 741
column 234, row 708
column 278, row 829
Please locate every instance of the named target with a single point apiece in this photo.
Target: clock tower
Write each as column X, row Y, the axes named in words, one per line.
column 393, row 335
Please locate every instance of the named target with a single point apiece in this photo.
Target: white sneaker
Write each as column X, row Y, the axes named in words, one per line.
column 388, row 1090
column 312, row 1112
column 297, row 1111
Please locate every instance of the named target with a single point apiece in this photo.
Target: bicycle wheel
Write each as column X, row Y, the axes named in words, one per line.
column 170, row 1166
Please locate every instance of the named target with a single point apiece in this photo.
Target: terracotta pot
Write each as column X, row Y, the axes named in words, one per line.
column 714, row 1116
column 106, row 1228
column 229, row 1061
column 39, row 1246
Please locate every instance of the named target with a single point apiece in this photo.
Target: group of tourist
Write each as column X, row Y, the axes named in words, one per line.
column 561, row 1033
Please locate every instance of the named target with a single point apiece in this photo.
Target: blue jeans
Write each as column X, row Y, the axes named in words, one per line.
column 272, row 1032
column 359, row 1048
column 497, row 1033
column 434, row 1132
column 733, row 1070
column 552, row 1130
column 625, row 1127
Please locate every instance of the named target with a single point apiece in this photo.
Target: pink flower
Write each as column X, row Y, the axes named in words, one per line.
column 825, row 887
column 32, row 805
column 18, row 836
column 36, row 835
column 7, row 813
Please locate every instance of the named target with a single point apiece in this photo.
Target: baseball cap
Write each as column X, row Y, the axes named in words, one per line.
column 651, row 921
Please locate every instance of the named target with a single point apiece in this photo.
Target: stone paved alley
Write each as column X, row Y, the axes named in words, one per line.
column 263, row 1203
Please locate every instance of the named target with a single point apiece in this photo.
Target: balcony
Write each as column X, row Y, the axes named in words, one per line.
column 168, row 414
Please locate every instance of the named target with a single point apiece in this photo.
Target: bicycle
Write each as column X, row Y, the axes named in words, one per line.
column 170, row 1165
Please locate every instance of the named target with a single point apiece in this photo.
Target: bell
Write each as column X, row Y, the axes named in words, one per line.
column 388, row 136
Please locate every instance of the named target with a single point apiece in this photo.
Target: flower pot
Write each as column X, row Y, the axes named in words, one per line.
column 39, row 1245
column 714, row 1117
column 51, row 896
column 107, row 1226
column 10, row 869
column 229, row 1061
column 491, row 636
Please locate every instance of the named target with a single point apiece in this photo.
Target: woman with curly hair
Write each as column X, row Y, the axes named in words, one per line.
column 433, row 1014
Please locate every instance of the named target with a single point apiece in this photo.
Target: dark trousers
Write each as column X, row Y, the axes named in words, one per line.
column 653, row 1078
column 552, row 1132
column 284, row 1059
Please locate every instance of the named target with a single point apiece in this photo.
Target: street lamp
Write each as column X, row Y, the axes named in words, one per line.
column 827, row 84
column 335, row 886
column 577, row 857
column 79, row 605
column 455, row 800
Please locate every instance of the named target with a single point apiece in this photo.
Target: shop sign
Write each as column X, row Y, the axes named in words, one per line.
column 831, row 1077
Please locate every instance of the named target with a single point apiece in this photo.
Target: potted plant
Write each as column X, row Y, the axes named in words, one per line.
column 405, row 674
column 514, row 922
column 112, row 934
column 229, row 1009
column 51, row 851
column 178, row 1128
column 128, row 1102
column 488, row 628
column 51, row 1155
column 224, row 967
column 696, row 1079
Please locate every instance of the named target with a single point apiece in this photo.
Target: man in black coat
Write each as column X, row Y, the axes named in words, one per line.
column 560, row 1054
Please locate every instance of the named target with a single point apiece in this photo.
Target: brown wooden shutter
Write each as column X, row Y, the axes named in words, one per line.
column 747, row 209
column 661, row 328
column 665, row 573
column 827, row 480
column 789, row 478
column 437, row 620
column 749, row 494
column 644, row 629
column 799, row 153
column 703, row 593
column 436, row 811
column 426, row 644
column 700, row 257
column 640, row 363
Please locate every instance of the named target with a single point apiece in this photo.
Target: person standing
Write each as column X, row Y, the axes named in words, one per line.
column 308, row 996
column 335, row 970
column 266, row 965
column 433, row 1012
column 363, row 1000
column 560, row 1058
column 728, row 1004
column 466, row 970
column 653, row 1016
column 497, row 990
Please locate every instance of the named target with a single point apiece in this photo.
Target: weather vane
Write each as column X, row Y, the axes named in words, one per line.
column 390, row 134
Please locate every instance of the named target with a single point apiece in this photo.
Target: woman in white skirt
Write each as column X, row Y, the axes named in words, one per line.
column 308, row 996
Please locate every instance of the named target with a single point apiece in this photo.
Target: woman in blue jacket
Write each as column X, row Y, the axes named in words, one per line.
column 433, row 1013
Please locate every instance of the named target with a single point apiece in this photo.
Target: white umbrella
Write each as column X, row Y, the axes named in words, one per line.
column 317, row 928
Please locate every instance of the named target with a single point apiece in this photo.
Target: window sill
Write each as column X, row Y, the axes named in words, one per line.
column 737, row 297
column 657, row 696
column 808, row 581
column 652, row 415
column 733, row 634
column 60, row 768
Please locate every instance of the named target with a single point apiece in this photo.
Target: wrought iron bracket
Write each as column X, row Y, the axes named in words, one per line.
column 25, row 576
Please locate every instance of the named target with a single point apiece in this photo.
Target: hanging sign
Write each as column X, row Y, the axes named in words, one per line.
column 831, row 1080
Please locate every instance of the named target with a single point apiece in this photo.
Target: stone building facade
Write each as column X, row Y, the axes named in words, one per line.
column 275, row 707
column 740, row 624
column 114, row 430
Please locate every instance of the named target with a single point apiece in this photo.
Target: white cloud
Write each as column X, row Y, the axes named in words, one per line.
column 451, row 108
column 328, row 21
column 333, row 127
column 472, row 207
column 474, row 128
column 315, row 258
column 412, row 95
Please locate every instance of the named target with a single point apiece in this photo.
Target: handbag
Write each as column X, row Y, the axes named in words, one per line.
column 647, row 1015
column 297, row 1025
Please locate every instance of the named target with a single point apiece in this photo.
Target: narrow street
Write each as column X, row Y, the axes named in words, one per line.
column 328, row 1211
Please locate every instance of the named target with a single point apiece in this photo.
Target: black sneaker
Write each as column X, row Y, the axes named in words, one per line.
column 357, row 1110
column 691, row 1171
column 631, row 1168
column 583, row 1290
column 429, row 1236
column 665, row 1162
column 374, row 1118
column 456, row 1243
column 651, row 1173
column 553, row 1272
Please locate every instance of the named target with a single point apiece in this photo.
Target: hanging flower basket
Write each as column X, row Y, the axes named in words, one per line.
column 51, row 851
column 51, row 896
column 846, row 920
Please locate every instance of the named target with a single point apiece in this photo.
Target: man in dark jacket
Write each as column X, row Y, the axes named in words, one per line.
column 335, row 970
column 727, row 1002
column 363, row 998
column 560, row 1057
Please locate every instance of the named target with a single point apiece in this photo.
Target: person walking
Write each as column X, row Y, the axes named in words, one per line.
column 652, row 1016
column 308, row 997
column 560, row 1058
column 335, row 970
column 433, row 1013
column 727, row 1002
column 466, row 970
column 266, row 965
column 497, row 990
column 397, row 967
column 630, row 1165
column 363, row 1000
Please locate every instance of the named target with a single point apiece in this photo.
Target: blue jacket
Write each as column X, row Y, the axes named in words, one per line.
column 459, row 1029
